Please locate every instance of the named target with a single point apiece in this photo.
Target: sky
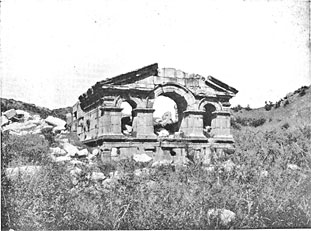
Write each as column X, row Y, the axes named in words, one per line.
column 54, row 50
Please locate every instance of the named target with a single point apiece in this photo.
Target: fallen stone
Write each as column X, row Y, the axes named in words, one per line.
column 24, row 171
column 95, row 152
column 97, row 176
column 10, row 113
column 77, row 162
column 228, row 165
column 209, row 168
column 55, row 121
column 293, row 167
column 26, row 115
column 226, row 216
column 161, row 163
column 264, row 173
column 58, row 151
column 83, row 153
column 163, row 133
column 144, row 158
column 4, row 121
column 61, row 158
column 141, row 172
column 70, row 149
column 75, row 172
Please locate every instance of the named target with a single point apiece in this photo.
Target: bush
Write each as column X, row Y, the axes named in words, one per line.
column 23, row 150
column 268, row 105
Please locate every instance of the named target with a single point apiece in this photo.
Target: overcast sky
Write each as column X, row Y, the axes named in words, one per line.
column 54, row 50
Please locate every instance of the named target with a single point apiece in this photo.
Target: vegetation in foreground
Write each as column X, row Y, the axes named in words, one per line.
column 263, row 189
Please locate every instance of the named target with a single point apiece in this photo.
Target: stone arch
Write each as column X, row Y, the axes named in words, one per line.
column 204, row 102
column 132, row 101
column 176, row 92
column 183, row 98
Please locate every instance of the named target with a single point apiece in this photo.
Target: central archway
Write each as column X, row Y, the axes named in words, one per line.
column 183, row 98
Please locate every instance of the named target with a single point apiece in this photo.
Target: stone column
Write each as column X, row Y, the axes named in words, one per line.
column 192, row 126
column 110, row 121
column 221, row 126
column 143, row 123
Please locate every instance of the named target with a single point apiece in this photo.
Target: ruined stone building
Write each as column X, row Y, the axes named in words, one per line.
column 203, row 114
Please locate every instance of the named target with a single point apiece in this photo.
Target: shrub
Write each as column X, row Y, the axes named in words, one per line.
column 21, row 150
column 268, row 105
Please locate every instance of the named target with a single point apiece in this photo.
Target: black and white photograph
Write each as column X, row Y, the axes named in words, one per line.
column 155, row 114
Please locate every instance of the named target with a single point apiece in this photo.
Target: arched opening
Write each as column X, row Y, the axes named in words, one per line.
column 127, row 117
column 168, row 114
column 207, row 119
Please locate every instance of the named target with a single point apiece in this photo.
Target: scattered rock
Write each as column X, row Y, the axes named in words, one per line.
column 61, row 158
column 161, row 163
column 55, row 121
column 163, row 133
column 226, row 216
column 4, row 121
column 23, row 171
column 70, row 149
column 293, row 167
column 97, row 176
column 9, row 113
column 95, row 152
column 144, row 158
column 58, row 151
column 228, row 165
column 264, row 173
column 141, row 172
column 24, row 114
column 209, row 168
column 83, row 153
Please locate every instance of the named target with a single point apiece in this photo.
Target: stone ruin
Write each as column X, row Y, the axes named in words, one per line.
column 203, row 116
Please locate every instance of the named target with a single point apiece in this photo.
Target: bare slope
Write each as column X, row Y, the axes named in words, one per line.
column 294, row 109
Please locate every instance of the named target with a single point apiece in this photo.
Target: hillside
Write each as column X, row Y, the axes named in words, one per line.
column 44, row 112
column 294, row 109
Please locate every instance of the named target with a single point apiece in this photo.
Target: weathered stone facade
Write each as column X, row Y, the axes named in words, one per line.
column 202, row 102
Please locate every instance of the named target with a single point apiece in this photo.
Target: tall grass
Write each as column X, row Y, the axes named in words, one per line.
column 175, row 197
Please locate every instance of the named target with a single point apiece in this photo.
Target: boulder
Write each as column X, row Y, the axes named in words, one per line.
column 163, row 133
column 23, row 171
column 293, row 167
column 10, row 113
column 55, row 121
column 4, row 121
column 61, row 158
column 97, row 176
column 144, row 158
column 264, row 173
column 228, row 165
column 70, row 149
column 226, row 216
column 161, row 163
column 95, row 152
column 57, row 151
column 141, row 172
column 24, row 114
column 83, row 153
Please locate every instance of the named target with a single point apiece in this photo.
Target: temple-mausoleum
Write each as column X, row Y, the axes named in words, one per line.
column 202, row 115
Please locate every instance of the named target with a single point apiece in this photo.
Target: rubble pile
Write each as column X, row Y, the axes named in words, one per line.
column 80, row 160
